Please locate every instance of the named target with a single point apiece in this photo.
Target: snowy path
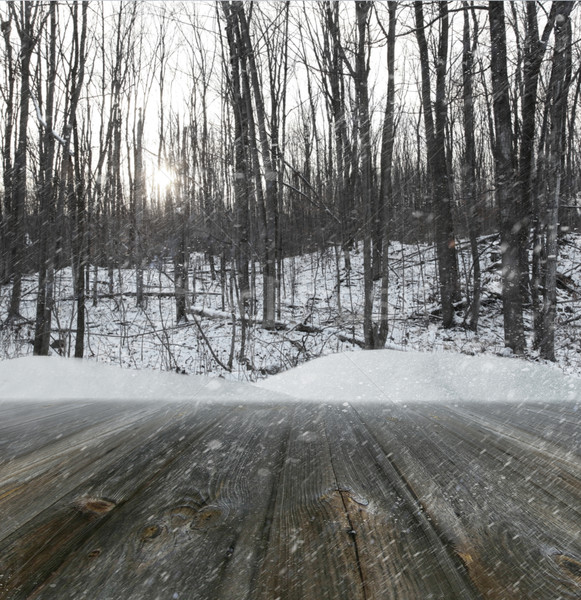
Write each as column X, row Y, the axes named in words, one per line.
column 261, row 497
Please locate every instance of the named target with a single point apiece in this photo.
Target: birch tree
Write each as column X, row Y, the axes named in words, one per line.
column 386, row 178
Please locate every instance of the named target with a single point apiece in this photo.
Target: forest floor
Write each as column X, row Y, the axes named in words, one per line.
column 321, row 312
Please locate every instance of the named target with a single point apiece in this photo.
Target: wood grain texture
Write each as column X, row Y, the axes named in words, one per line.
column 290, row 501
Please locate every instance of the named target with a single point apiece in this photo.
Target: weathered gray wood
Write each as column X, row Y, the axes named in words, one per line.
column 290, row 501
column 388, row 521
column 31, row 482
column 182, row 509
column 515, row 517
column 26, row 427
column 65, row 514
column 310, row 550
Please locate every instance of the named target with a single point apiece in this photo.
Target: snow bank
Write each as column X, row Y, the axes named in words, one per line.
column 352, row 376
column 52, row 378
column 416, row 376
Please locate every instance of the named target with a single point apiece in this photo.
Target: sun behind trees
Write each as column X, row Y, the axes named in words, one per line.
column 139, row 134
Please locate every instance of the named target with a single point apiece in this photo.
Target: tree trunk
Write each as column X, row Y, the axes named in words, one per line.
column 559, row 90
column 241, row 179
column 534, row 53
column 505, row 177
column 181, row 263
column 17, row 215
column 270, row 178
column 7, row 167
column 139, row 207
column 344, row 150
column 469, row 167
column 365, row 187
column 47, row 212
column 386, row 190
column 76, row 190
column 437, row 163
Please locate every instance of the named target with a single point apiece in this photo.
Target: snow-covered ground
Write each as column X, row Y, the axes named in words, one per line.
column 380, row 375
column 318, row 316
column 390, row 375
column 54, row 378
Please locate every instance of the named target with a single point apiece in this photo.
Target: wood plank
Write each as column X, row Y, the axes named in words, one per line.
column 511, row 519
column 399, row 551
column 26, row 426
column 190, row 518
column 550, row 424
column 311, row 554
column 55, row 528
column 33, row 481
column 291, row 501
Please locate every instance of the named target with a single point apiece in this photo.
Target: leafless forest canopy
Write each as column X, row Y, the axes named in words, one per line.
column 140, row 135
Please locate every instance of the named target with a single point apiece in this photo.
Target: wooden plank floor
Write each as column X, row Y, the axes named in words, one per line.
column 290, row 501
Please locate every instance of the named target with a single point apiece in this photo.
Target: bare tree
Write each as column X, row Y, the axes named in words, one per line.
column 365, row 186
column 435, row 133
column 74, row 167
column 331, row 65
column 47, row 202
column 26, row 17
column 534, row 52
column 555, row 151
column 252, row 95
column 7, row 167
column 139, row 209
column 469, row 45
column 242, row 173
column 179, row 139
column 275, row 33
column 386, row 181
column 510, row 219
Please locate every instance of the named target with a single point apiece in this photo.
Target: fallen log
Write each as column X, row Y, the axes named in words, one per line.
column 278, row 325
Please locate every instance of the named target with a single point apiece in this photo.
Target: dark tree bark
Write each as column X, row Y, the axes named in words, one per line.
column 559, row 90
column 270, row 178
column 365, row 183
column 7, row 167
column 47, row 202
column 181, row 263
column 241, row 178
column 139, row 207
column 436, row 157
column 273, row 29
column 113, row 203
column 534, row 52
column 75, row 171
column 469, row 166
column 510, row 219
column 25, row 24
column 332, row 67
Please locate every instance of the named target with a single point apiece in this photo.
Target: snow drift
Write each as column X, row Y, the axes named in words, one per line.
column 417, row 376
column 381, row 375
column 52, row 378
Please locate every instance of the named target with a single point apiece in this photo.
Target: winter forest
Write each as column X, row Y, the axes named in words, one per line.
column 234, row 188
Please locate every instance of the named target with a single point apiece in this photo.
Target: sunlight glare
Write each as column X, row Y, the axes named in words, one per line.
column 162, row 179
